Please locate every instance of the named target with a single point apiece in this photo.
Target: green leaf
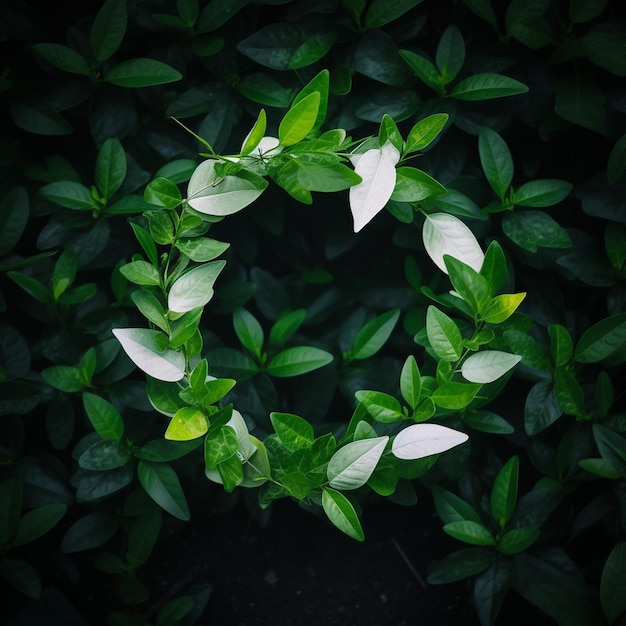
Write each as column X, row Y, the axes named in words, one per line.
column 297, row 360
column 443, row 335
column 150, row 306
column 110, row 168
column 581, row 11
column 108, row 29
column 14, row 212
column 141, row 273
column 381, row 406
column 88, row 532
column 64, row 378
column 312, row 50
column 450, row 55
column 141, row 73
column 326, row 178
column 445, row 234
column 501, row 307
column 219, row 446
column 469, row 284
column 421, row 440
column 496, row 161
column 373, row 336
column 342, row 514
column 64, row 273
column 256, row 134
column 560, row 344
column 352, row 465
column 217, row 12
column 504, row 491
column 299, row 120
column 541, row 408
column 486, row 87
column 69, row 194
column 461, row 564
column 142, row 537
column 201, row 249
column 518, row 540
column 602, row 339
column 286, row 325
column 602, row 46
column 470, row 532
column 146, row 242
column 613, row 583
column 36, row 116
column 544, row 192
column 425, row 132
column 410, row 382
column 380, row 12
column 451, row 508
column 534, row 229
column 413, row 185
column 487, row 366
column 104, row 417
column 422, row 68
column 490, row 588
column 293, row 431
column 162, row 485
column 194, row 288
column 568, row 393
column 162, row 192
column 187, row 423
column 488, row 422
column 145, row 349
column 455, row 396
column 211, row 194
column 248, row 330
column 63, row 57
column 105, row 454
column 230, row 362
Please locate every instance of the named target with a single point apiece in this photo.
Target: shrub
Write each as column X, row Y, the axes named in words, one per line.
column 223, row 269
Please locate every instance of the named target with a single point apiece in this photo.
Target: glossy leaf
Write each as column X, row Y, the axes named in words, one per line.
column 470, row 532
column 421, row 440
column 111, row 167
column 145, row 348
column 293, row 431
column 453, row 395
column 186, row 424
column 534, row 229
column 341, row 513
column 248, row 330
column 194, row 288
column 410, row 382
column 413, row 185
column 104, row 417
column 540, row 193
column 602, row 339
column 162, row 192
column 380, row 12
column 496, row 160
column 297, row 360
column 162, row 485
column 445, row 234
column 443, row 335
column 377, row 169
column 381, row 406
column 373, row 336
column 425, row 132
column 352, row 465
column 141, row 73
column 299, row 120
column 487, row 366
column 487, row 86
column 504, row 491
column 63, row 57
column 108, row 29
column 69, row 194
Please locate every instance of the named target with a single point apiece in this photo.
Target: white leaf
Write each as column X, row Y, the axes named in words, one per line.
column 377, row 168
column 194, row 288
column 422, row 440
column 142, row 347
column 351, row 466
column 446, row 234
column 268, row 146
column 209, row 194
column 488, row 365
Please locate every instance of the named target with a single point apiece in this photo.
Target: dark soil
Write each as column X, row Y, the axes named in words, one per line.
column 299, row 571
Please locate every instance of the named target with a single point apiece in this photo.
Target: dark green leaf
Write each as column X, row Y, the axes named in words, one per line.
column 69, row 194
column 470, row 532
column 461, row 564
column 297, row 360
column 110, row 168
column 613, row 583
column 534, row 229
column 63, row 57
column 10, row 508
column 14, row 212
column 108, row 29
column 490, row 587
column 21, row 576
column 602, row 339
column 162, row 485
column 504, row 492
column 373, row 336
column 541, row 408
column 104, row 417
column 496, row 161
column 163, row 192
column 381, row 12
column 217, row 12
column 544, row 192
column 141, row 73
column 487, row 86
column 90, row 531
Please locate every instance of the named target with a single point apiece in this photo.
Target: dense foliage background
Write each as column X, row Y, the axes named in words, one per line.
column 89, row 487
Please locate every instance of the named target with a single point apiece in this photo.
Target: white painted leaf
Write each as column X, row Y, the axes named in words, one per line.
column 377, row 168
column 446, row 234
column 142, row 347
column 209, row 194
column 194, row 288
column 488, row 365
column 351, row 466
column 422, row 440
